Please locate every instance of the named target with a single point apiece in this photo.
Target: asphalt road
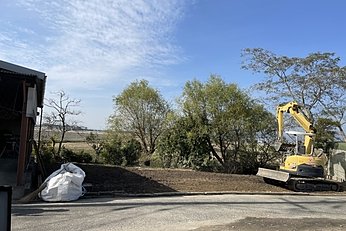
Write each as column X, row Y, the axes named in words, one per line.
column 203, row 212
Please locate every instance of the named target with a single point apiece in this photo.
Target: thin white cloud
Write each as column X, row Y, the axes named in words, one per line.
column 91, row 42
column 90, row 47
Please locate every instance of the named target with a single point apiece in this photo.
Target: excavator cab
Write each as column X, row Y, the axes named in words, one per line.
column 297, row 147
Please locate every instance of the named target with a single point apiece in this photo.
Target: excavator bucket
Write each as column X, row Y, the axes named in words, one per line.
column 277, row 145
column 273, row 174
column 282, row 147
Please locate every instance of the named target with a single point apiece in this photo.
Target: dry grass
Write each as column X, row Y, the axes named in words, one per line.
column 74, row 140
column 79, row 146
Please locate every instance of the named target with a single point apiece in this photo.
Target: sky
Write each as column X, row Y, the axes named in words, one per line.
column 94, row 49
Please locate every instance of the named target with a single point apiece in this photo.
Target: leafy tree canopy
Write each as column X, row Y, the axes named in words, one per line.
column 316, row 81
column 140, row 111
column 224, row 120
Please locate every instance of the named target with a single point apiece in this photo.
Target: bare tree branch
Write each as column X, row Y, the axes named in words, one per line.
column 61, row 111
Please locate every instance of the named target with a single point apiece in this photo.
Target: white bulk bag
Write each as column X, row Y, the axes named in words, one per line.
column 64, row 184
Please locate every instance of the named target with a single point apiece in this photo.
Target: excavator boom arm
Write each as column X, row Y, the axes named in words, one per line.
column 295, row 110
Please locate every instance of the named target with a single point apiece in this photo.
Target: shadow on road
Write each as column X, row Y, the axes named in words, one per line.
column 119, row 204
column 30, row 211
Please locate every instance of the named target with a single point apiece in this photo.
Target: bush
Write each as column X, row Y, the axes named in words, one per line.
column 47, row 154
column 112, row 153
column 131, row 151
column 70, row 156
column 156, row 161
column 122, row 152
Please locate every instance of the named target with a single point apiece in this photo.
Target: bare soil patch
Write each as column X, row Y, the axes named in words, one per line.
column 153, row 180
column 138, row 180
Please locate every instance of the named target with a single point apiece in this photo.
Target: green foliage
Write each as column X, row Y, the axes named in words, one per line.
column 112, row 150
column 316, row 81
column 47, row 154
column 140, row 111
column 156, row 161
column 219, row 124
column 325, row 135
column 179, row 147
column 131, row 151
column 70, row 156
column 173, row 146
column 121, row 150
column 67, row 155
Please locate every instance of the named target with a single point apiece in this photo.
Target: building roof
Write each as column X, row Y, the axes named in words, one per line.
column 15, row 71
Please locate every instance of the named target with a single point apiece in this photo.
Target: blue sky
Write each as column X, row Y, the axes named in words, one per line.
column 94, row 49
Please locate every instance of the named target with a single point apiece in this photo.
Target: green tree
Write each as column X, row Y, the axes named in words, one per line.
column 327, row 130
column 140, row 111
column 315, row 81
column 111, row 152
column 120, row 149
column 260, row 135
column 181, row 145
column 225, row 121
column 131, row 150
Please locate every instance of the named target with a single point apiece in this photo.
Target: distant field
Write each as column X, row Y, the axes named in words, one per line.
column 74, row 140
column 70, row 136
column 79, row 146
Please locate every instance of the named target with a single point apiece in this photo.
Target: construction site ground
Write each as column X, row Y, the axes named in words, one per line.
column 137, row 180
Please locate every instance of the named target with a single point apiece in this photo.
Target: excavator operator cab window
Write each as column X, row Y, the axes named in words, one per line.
column 300, row 148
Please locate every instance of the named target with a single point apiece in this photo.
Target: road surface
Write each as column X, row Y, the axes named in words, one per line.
column 201, row 213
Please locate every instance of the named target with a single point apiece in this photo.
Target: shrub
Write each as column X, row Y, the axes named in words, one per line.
column 131, row 151
column 47, row 154
column 70, row 156
column 120, row 151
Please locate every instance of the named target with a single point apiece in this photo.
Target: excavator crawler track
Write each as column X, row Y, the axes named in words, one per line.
column 298, row 183
column 312, row 185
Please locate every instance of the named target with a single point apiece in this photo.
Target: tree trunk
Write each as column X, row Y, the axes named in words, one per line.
column 221, row 161
column 60, row 142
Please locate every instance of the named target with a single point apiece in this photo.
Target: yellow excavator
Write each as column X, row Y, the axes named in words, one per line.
column 302, row 169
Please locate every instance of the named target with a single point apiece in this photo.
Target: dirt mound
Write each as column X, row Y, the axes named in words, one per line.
column 150, row 180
